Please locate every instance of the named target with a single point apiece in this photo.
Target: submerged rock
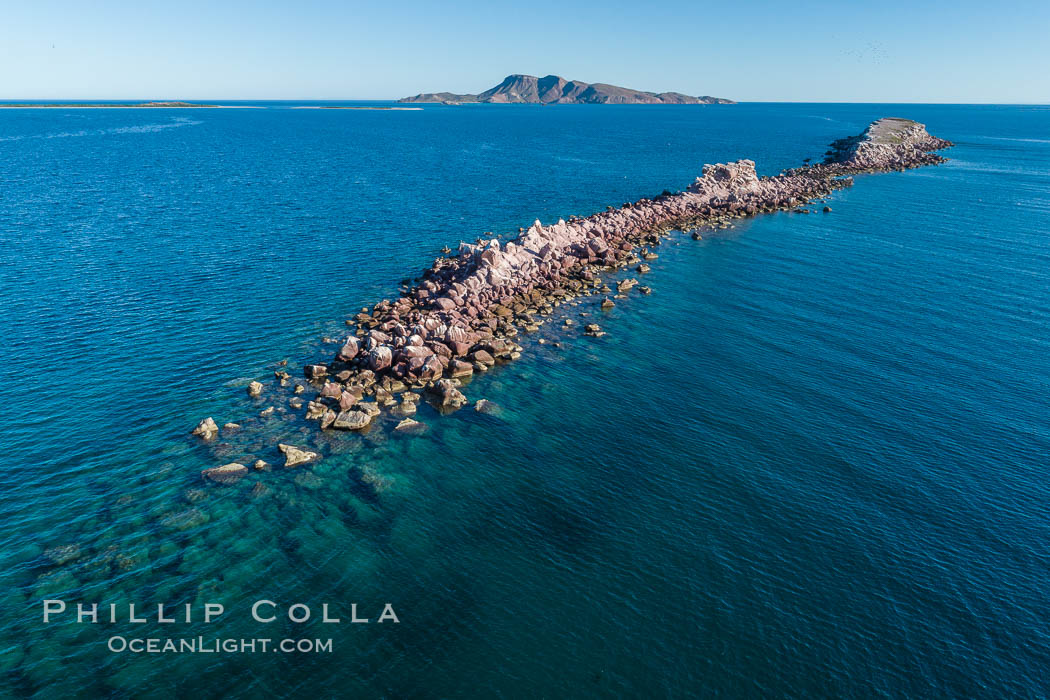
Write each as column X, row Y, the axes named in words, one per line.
column 226, row 474
column 308, row 480
column 185, row 519
column 195, row 495
column 487, row 407
column 377, row 481
column 62, row 554
column 294, row 456
column 410, row 427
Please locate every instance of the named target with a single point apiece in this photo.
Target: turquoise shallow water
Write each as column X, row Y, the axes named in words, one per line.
column 812, row 462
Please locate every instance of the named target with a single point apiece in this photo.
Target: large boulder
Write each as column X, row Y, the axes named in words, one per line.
column 405, row 408
column 352, row 420
column 327, row 419
column 459, row 368
column 255, row 389
column 483, row 357
column 315, row 371
column 416, row 351
column 349, row 349
column 331, row 390
column 294, row 456
column 369, row 407
column 348, row 398
column 380, row 357
column 432, row 368
column 206, row 429
column 459, row 348
column 449, row 396
column 440, row 348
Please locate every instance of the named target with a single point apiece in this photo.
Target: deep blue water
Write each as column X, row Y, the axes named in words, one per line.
column 812, row 463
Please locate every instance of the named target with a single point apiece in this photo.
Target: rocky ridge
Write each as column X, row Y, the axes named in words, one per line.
column 464, row 313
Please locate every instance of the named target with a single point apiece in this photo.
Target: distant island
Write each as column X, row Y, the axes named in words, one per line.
column 553, row 89
column 396, row 109
column 83, row 105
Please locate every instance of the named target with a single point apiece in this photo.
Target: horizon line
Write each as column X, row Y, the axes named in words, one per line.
column 72, row 100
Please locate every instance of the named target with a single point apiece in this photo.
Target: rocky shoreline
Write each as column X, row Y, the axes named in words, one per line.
column 463, row 314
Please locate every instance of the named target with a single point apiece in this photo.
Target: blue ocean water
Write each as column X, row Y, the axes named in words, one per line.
column 811, row 463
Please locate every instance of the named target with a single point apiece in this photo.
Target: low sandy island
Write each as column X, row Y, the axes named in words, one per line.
column 176, row 105
column 109, row 105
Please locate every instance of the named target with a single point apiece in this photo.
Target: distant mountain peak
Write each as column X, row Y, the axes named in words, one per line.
column 519, row 88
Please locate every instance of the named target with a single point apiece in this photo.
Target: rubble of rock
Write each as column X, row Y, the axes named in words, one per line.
column 887, row 144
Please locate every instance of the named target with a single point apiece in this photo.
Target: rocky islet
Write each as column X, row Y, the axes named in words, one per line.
column 464, row 313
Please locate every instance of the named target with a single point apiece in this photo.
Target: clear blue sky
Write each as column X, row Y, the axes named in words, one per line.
column 849, row 51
